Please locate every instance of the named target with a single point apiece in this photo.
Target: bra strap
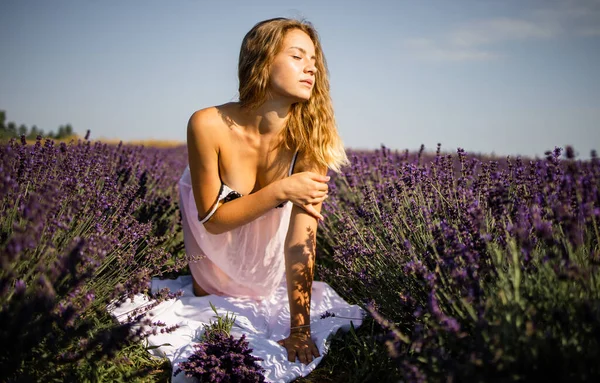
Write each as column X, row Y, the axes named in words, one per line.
column 293, row 163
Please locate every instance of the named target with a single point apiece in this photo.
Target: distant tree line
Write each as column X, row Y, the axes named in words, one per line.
column 10, row 130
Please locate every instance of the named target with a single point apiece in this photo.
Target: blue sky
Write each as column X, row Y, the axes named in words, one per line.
column 503, row 77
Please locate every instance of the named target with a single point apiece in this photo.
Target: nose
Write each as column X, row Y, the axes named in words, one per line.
column 311, row 68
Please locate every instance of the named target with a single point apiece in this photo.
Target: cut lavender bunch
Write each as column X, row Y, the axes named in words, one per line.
column 219, row 357
column 222, row 358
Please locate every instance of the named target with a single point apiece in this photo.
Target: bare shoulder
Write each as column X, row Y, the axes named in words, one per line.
column 207, row 126
column 306, row 164
column 204, row 123
column 211, row 122
column 205, row 132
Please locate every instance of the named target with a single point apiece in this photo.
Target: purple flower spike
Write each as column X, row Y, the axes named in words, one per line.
column 222, row 358
column 327, row 314
column 20, row 287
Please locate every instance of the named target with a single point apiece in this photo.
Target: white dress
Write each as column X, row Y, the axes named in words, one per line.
column 246, row 262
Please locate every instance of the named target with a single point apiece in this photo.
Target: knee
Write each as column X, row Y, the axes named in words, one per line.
column 199, row 291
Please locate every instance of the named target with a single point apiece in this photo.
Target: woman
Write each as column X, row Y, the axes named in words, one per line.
column 251, row 196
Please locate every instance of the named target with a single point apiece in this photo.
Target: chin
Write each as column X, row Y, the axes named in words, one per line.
column 304, row 96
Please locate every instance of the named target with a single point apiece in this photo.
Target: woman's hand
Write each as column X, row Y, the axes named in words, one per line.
column 306, row 189
column 300, row 344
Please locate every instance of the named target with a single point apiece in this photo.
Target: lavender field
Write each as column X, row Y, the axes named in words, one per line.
column 473, row 268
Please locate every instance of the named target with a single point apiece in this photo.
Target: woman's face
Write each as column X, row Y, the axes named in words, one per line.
column 293, row 69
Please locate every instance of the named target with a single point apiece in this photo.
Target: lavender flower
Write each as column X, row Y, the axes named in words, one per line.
column 463, row 255
column 327, row 314
column 81, row 220
column 222, row 358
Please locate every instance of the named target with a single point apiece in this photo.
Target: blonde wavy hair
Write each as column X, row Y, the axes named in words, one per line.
column 311, row 126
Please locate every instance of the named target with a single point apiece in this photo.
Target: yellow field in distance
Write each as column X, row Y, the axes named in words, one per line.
column 146, row 143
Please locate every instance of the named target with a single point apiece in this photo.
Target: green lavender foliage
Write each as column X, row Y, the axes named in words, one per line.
column 220, row 325
column 481, row 270
column 84, row 227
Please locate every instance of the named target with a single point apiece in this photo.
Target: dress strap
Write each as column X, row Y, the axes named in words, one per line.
column 293, row 163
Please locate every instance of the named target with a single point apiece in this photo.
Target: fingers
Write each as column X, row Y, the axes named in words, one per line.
column 304, row 356
column 319, row 177
column 315, row 352
column 321, row 198
column 317, row 200
column 290, row 350
column 317, row 197
column 319, row 193
column 291, row 355
column 322, row 187
column 310, row 209
column 308, row 355
column 304, row 353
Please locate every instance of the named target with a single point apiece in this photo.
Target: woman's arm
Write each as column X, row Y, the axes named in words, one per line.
column 300, row 247
column 203, row 137
column 299, row 265
column 299, row 251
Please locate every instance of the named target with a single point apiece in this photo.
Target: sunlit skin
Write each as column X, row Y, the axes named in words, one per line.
column 240, row 145
column 293, row 69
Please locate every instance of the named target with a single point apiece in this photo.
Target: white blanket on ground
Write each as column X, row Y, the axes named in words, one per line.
column 264, row 323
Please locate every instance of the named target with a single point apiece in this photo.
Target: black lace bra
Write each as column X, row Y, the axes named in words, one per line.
column 227, row 194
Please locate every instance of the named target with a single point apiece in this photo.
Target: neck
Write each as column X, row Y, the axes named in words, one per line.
column 269, row 118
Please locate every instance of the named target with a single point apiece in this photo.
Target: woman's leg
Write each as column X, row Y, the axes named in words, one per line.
column 198, row 291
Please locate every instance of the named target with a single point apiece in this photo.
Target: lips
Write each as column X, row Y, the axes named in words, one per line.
column 309, row 82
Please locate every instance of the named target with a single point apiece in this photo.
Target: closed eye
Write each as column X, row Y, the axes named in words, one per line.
column 297, row 57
